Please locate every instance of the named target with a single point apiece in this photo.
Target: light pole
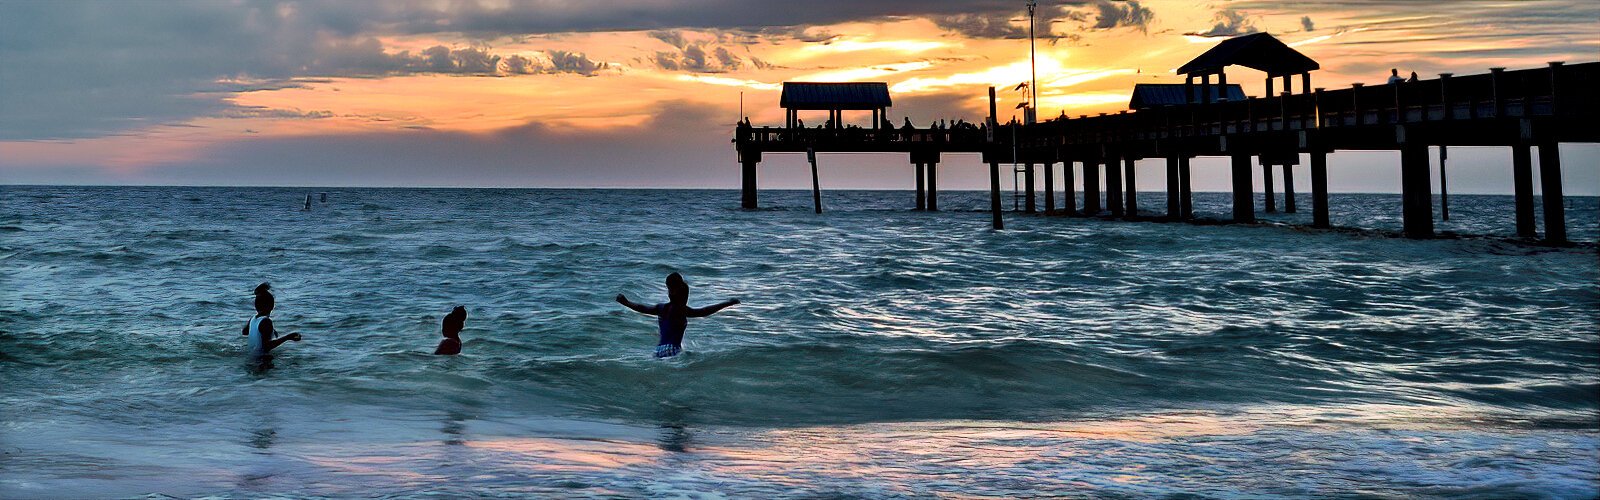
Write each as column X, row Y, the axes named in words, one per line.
column 1031, row 114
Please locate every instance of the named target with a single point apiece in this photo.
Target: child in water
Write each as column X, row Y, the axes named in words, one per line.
column 673, row 316
column 260, row 331
column 453, row 323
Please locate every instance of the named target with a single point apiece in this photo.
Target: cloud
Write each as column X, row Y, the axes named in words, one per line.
column 1122, row 13
column 533, row 154
column 1229, row 22
column 697, row 52
column 983, row 26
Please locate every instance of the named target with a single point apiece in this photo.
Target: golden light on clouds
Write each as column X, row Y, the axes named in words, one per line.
column 936, row 68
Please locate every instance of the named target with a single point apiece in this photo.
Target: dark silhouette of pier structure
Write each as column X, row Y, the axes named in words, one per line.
column 1527, row 110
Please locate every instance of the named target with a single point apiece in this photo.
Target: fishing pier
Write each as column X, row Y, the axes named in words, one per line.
column 1527, row 110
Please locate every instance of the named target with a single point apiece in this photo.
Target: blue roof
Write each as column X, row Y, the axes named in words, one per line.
column 827, row 95
column 1150, row 95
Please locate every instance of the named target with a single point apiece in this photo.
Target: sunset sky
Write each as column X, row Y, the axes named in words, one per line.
column 645, row 93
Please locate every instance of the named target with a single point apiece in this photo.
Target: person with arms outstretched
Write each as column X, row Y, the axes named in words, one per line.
column 260, row 332
column 673, row 316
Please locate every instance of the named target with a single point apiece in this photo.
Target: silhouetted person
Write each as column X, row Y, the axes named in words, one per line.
column 453, row 323
column 260, row 331
column 1394, row 76
column 1413, row 78
column 673, row 316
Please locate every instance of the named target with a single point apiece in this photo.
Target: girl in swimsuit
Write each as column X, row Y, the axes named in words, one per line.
column 260, row 331
column 673, row 316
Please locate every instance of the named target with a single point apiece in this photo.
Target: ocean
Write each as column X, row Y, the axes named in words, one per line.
column 879, row 352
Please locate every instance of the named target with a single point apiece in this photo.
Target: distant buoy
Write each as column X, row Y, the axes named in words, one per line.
column 308, row 203
column 324, row 197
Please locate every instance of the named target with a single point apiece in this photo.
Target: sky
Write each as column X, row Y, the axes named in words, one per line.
column 645, row 93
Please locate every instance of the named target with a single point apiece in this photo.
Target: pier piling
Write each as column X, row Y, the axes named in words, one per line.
column 1244, row 209
column 933, row 186
column 816, row 183
column 1028, row 205
column 1271, row 203
column 1091, row 186
column 1132, row 195
column 747, row 177
column 1416, row 191
column 1288, row 188
column 1174, row 205
column 1319, row 189
column 922, row 196
column 1185, row 194
column 1049, row 187
column 1113, row 186
column 1555, row 218
column 1522, row 179
column 1069, row 205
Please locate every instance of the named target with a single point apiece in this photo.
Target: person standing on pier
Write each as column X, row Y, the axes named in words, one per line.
column 673, row 316
column 1394, row 76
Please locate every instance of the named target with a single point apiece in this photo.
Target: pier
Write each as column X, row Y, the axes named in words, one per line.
column 1526, row 110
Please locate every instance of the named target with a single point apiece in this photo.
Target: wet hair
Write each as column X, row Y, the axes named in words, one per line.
column 677, row 289
column 455, row 321
column 264, row 300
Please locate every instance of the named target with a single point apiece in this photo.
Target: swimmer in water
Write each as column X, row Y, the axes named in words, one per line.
column 453, row 323
column 260, row 331
column 673, row 316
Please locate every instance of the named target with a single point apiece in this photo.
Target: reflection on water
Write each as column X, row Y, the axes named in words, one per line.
column 673, row 432
column 1310, row 452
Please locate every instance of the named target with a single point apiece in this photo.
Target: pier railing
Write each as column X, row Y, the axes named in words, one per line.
column 1555, row 91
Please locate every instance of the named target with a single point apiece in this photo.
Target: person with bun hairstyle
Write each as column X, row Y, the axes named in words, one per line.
column 453, row 323
column 259, row 329
column 673, row 316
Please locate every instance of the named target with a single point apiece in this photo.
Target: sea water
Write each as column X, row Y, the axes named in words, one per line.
column 878, row 352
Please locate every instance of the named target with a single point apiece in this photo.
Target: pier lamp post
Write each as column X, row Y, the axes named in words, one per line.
column 1030, row 115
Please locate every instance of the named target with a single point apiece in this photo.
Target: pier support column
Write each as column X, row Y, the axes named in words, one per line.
column 1132, row 188
column 994, row 189
column 1185, row 194
column 1114, row 187
column 1319, row 189
column 1522, row 179
column 1050, row 187
column 1288, row 188
column 1555, row 217
column 1091, row 186
column 922, row 197
column 1069, row 205
column 1271, row 204
column 1174, row 205
column 1028, row 194
column 933, row 186
column 747, row 177
column 1416, row 191
column 1244, row 199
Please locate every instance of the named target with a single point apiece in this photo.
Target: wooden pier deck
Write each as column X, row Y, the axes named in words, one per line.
column 1526, row 110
